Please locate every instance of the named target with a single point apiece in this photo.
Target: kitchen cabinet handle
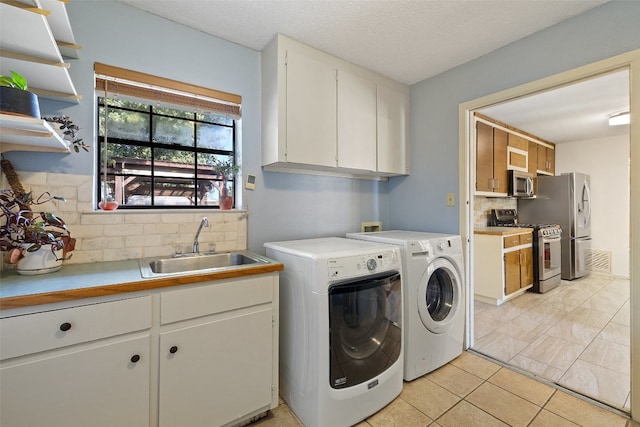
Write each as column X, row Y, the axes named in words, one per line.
column 173, row 349
column 65, row 326
column 135, row 358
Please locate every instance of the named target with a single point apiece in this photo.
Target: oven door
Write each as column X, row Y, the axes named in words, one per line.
column 550, row 261
column 365, row 333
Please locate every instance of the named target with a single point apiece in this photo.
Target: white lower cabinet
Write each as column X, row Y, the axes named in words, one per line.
column 216, row 372
column 73, row 368
column 198, row 355
column 98, row 386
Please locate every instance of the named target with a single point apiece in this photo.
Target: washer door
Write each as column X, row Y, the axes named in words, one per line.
column 439, row 296
column 364, row 328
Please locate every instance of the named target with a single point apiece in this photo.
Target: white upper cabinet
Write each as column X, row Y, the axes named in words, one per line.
column 322, row 115
column 393, row 130
column 311, row 111
column 30, row 47
column 356, row 122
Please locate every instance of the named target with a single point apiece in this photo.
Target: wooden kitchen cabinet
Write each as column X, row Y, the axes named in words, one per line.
column 503, row 264
column 78, row 366
column 491, row 160
column 546, row 160
column 323, row 115
column 517, row 153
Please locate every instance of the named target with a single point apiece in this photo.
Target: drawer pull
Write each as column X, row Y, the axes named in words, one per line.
column 173, row 349
column 65, row 326
column 135, row 358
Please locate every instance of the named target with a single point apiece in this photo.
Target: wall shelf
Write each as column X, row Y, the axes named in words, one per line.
column 29, row 46
column 19, row 133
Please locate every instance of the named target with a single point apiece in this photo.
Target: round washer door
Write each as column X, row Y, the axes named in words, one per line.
column 439, row 296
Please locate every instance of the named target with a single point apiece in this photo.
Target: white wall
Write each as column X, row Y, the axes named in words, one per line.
column 606, row 160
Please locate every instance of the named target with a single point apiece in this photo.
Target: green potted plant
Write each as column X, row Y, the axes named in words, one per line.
column 225, row 169
column 35, row 242
column 15, row 98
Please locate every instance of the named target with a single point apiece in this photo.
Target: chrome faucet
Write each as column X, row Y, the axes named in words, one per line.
column 196, row 245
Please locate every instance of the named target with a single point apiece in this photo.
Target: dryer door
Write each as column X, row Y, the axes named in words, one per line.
column 439, row 295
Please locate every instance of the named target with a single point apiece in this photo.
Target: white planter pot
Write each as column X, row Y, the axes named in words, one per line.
column 40, row 262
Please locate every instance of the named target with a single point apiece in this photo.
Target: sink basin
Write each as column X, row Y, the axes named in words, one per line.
column 198, row 263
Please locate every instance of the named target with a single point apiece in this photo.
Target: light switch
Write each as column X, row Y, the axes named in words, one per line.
column 451, row 199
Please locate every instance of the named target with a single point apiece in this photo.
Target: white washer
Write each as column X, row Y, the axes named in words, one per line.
column 340, row 328
column 434, row 297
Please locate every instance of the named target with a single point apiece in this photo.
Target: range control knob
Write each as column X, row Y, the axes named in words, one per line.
column 372, row 264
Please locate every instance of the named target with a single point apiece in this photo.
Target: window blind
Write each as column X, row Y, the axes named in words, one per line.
column 141, row 85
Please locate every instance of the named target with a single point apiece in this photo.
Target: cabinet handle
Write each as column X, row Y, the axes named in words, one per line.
column 65, row 326
column 135, row 358
column 173, row 349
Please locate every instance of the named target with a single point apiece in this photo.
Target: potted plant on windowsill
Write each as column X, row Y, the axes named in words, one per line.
column 15, row 98
column 225, row 169
column 35, row 242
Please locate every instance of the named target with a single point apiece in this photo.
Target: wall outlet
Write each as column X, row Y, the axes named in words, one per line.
column 451, row 199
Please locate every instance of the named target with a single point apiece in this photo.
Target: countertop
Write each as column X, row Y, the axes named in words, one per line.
column 502, row 231
column 77, row 281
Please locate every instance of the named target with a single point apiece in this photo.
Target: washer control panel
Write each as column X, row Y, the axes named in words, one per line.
column 362, row 265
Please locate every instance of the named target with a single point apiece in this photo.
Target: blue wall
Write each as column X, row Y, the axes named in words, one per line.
column 291, row 206
column 603, row 32
column 283, row 206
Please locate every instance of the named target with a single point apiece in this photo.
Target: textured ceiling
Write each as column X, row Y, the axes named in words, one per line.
column 407, row 40
column 575, row 112
column 412, row 40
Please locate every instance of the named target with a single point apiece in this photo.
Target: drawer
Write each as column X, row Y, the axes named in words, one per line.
column 525, row 239
column 511, row 241
column 215, row 297
column 32, row 333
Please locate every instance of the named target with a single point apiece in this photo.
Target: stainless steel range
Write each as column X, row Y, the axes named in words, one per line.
column 547, row 260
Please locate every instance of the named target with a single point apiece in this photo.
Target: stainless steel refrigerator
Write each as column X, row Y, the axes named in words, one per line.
column 564, row 200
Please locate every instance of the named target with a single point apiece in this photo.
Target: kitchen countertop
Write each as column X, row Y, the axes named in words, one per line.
column 77, row 281
column 502, row 231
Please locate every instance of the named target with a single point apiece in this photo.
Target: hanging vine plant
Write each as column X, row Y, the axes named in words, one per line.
column 69, row 132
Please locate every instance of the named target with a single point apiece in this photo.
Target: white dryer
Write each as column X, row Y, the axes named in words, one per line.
column 434, row 297
column 340, row 328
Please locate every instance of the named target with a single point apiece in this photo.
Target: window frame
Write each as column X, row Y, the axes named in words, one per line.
column 198, row 102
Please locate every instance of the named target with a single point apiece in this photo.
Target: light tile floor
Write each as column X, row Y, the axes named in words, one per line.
column 576, row 335
column 473, row 391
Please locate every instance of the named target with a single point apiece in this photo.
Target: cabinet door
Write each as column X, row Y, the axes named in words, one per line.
column 526, row 267
column 542, row 158
column 551, row 160
column 218, row 372
column 101, row 386
column 311, row 111
column 484, row 157
column 356, row 122
column 533, row 164
column 518, row 149
column 511, row 272
column 500, row 142
column 392, row 128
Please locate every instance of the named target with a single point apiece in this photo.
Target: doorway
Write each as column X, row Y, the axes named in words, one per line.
column 467, row 153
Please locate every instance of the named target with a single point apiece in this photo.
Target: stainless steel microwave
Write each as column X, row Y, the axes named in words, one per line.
column 520, row 184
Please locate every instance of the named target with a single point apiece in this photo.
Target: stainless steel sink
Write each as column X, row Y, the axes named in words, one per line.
column 186, row 264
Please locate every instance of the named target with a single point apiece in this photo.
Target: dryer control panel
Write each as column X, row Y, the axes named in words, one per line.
column 362, row 265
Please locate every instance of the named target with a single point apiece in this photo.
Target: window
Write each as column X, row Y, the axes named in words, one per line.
column 165, row 148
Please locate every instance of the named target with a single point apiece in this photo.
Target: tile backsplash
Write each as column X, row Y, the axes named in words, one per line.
column 482, row 208
column 124, row 234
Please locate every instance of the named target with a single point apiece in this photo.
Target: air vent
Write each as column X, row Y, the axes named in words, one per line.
column 599, row 261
